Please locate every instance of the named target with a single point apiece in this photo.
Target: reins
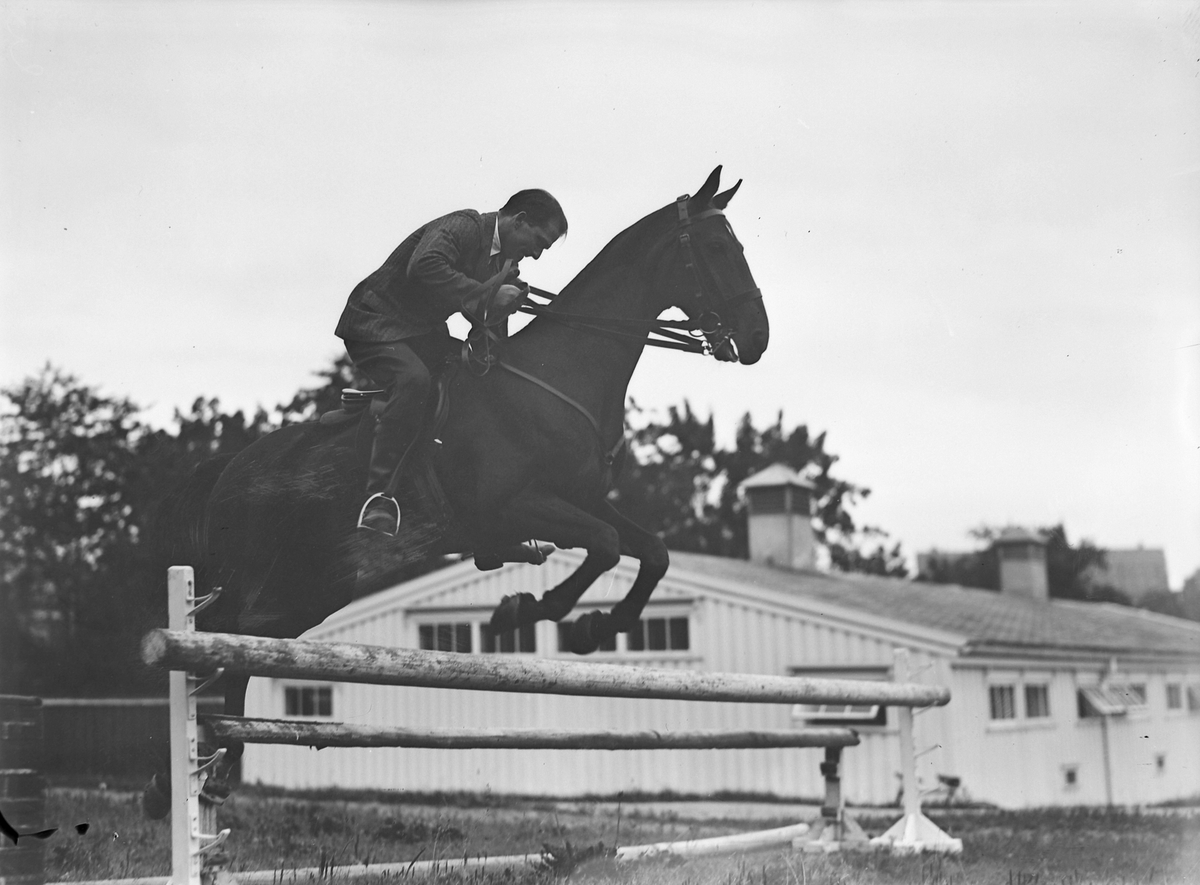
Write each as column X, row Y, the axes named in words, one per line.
column 690, row 336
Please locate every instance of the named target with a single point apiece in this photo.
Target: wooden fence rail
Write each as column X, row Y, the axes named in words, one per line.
column 378, row 665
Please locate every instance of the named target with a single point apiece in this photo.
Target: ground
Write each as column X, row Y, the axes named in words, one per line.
column 279, row 831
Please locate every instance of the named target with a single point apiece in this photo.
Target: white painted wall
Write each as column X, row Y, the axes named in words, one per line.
column 1013, row 764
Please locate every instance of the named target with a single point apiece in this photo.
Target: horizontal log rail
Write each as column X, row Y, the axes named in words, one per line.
column 345, row 662
column 308, row 733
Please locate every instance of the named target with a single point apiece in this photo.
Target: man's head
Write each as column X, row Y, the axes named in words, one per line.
column 530, row 222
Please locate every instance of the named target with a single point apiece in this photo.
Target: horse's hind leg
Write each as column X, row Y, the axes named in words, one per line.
column 550, row 518
column 218, row 785
column 594, row 628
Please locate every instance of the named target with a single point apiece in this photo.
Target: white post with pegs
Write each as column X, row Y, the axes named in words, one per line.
column 914, row 832
column 193, row 816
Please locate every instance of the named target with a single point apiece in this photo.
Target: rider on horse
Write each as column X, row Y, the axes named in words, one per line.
column 394, row 323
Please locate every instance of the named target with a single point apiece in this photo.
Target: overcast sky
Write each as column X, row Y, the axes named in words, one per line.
column 976, row 225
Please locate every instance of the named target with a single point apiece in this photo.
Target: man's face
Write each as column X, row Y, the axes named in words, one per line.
column 526, row 240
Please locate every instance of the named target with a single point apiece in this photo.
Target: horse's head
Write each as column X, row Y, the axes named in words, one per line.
column 710, row 279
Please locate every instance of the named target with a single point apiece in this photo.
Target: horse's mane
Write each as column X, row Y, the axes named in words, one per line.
column 613, row 255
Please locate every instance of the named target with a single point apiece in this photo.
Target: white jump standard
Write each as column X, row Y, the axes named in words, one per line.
column 186, row 652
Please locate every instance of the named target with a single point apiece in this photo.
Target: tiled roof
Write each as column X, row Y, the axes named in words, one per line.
column 987, row 621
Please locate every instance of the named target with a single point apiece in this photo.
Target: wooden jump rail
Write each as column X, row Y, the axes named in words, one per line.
column 377, row 665
column 186, row 653
column 337, row 734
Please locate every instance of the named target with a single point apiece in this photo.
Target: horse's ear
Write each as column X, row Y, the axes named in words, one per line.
column 722, row 200
column 708, row 189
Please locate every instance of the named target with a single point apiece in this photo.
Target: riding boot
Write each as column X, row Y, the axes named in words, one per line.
column 381, row 511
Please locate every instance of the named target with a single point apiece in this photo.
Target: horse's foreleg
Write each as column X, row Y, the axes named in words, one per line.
column 550, row 518
column 594, row 628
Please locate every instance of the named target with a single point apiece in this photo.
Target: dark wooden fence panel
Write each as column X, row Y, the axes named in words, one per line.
column 108, row 737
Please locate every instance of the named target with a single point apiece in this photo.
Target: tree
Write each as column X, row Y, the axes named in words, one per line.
column 1185, row 604
column 681, row 485
column 309, row 404
column 67, row 527
column 1069, row 567
column 81, row 478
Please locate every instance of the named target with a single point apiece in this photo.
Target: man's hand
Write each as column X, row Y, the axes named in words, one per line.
column 508, row 297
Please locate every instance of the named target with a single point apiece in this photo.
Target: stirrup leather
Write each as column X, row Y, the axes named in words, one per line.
column 363, row 512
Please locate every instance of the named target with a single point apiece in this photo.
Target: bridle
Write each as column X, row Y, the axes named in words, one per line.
column 703, row 335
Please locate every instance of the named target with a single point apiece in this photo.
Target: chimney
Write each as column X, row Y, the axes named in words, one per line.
column 779, row 522
column 1022, row 556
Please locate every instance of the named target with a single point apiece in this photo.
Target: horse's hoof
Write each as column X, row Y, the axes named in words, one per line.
column 488, row 562
column 156, row 799
column 216, row 790
column 516, row 611
column 589, row 632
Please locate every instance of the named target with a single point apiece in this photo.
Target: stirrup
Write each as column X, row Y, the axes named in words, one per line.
column 363, row 512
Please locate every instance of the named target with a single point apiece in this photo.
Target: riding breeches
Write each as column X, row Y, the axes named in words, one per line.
column 405, row 369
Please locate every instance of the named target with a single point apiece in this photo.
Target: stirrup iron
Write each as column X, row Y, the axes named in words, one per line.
column 363, row 512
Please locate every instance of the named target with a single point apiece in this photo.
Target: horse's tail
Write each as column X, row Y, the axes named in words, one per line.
column 181, row 523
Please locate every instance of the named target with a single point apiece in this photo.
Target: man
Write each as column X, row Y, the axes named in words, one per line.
column 394, row 323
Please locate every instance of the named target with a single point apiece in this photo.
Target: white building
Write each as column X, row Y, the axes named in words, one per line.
column 1053, row 702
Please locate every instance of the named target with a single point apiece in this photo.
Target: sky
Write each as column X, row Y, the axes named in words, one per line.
column 976, row 226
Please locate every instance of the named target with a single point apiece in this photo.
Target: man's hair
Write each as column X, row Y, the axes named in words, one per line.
column 539, row 207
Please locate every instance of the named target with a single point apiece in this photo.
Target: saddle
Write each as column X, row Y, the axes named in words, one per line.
column 418, row 469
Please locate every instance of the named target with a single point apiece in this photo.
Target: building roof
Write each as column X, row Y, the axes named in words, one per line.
column 989, row 622
column 961, row 620
column 776, row 475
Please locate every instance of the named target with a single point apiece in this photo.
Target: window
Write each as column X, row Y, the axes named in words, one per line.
column 1002, row 701
column 838, row 714
column 446, row 637
column 1193, row 698
column 854, row 715
column 1070, row 776
column 659, row 634
column 1099, row 700
column 308, row 700
column 1037, row 701
column 1132, row 694
column 1174, row 696
column 523, row 639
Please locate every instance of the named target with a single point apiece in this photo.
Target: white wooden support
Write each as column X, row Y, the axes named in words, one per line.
column 913, row 833
column 193, row 818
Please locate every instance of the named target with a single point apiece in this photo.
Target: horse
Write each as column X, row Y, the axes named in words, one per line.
column 529, row 450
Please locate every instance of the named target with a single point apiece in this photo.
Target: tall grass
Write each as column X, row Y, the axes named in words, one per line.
column 1047, row 847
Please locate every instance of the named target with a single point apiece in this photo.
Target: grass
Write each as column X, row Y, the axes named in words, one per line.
column 279, row 831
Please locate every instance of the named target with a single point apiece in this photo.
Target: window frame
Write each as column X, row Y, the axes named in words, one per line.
column 1011, row 689
column 852, row 715
column 1044, row 689
column 1177, row 689
column 286, row 688
column 457, row 623
column 517, row 636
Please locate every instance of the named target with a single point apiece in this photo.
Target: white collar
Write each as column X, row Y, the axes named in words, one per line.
column 496, row 238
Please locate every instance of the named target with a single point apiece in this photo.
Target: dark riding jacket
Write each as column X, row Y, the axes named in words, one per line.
column 424, row 281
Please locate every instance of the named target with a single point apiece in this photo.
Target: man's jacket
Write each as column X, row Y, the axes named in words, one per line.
column 424, row 281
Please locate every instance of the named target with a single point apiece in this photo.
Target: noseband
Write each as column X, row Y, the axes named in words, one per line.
column 709, row 323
